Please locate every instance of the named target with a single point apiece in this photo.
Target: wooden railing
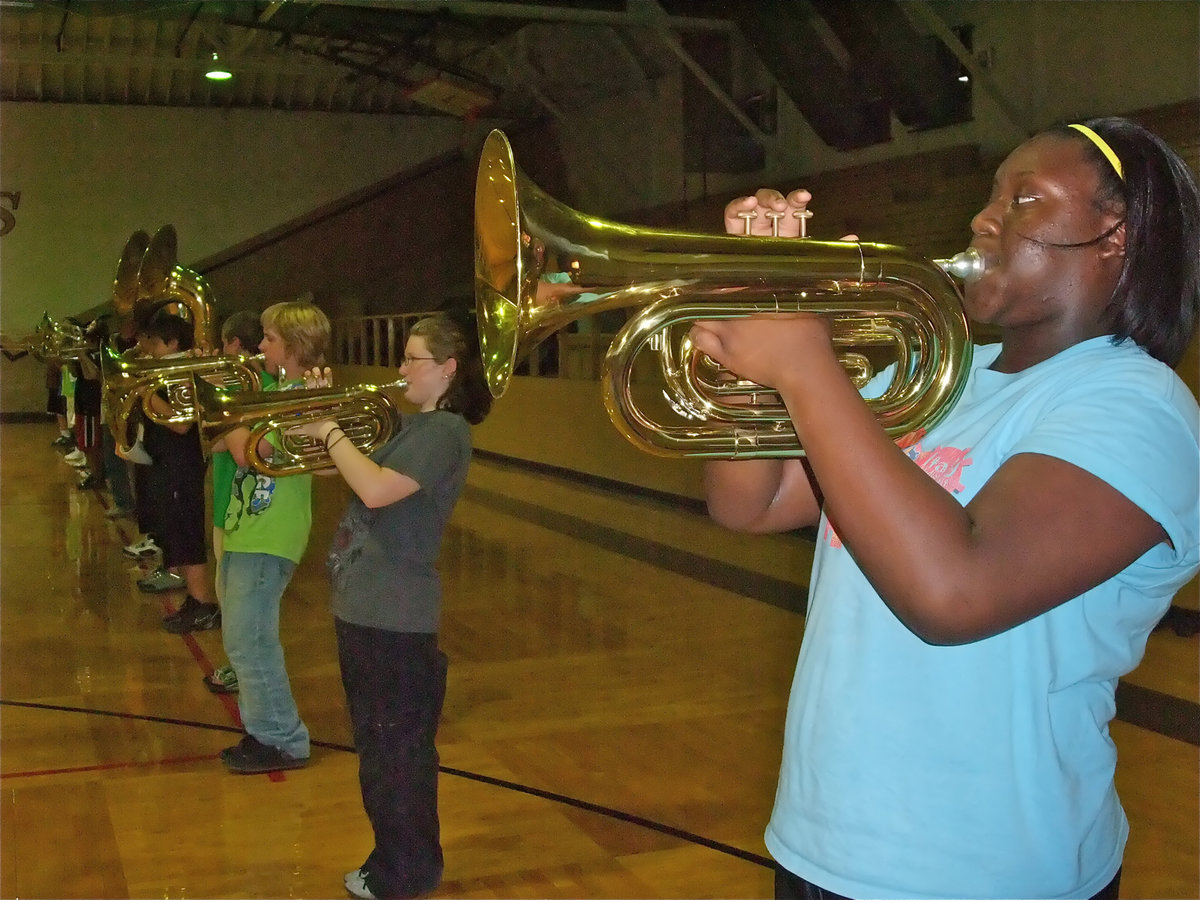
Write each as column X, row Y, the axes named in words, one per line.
column 372, row 340
column 380, row 340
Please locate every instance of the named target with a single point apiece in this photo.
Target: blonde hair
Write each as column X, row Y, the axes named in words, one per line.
column 303, row 327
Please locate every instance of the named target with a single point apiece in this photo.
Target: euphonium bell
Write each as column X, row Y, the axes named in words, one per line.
column 365, row 412
column 540, row 265
column 162, row 281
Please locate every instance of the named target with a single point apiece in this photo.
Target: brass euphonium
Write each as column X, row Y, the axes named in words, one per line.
column 130, row 380
column 365, row 412
column 50, row 340
column 147, row 279
column 540, row 265
column 57, row 340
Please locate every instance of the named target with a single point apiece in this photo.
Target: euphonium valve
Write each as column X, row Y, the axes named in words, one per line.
column 540, row 265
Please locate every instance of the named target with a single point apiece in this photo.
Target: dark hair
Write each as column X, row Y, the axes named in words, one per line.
column 246, row 326
column 1157, row 298
column 453, row 335
column 169, row 327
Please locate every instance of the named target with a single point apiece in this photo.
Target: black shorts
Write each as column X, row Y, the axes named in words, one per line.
column 87, row 397
column 56, row 403
column 170, row 506
column 182, row 527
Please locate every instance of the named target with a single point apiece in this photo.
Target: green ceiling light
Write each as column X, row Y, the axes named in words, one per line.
column 216, row 71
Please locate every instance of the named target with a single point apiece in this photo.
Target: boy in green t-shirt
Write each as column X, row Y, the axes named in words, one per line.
column 266, row 531
column 241, row 333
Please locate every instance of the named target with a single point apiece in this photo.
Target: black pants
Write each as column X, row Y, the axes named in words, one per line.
column 395, row 685
column 793, row 887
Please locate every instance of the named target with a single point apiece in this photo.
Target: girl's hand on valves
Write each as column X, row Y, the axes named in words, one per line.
column 767, row 213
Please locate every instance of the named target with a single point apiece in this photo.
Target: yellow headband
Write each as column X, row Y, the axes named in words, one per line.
column 1103, row 147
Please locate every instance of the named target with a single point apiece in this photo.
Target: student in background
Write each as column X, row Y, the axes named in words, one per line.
column 171, row 493
column 241, row 334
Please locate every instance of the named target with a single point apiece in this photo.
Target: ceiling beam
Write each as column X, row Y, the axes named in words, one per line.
column 920, row 11
column 663, row 25
column 535, row 12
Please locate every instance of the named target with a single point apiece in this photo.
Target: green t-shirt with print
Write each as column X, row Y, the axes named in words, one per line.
column 223, row 469
column 268, row 514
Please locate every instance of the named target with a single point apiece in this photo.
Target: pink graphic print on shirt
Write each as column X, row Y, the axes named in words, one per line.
column 943, row 464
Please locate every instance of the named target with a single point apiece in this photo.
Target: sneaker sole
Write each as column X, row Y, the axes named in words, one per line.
column 155, row 589
column 220, row 688
column 238, row 768
column 173, row 628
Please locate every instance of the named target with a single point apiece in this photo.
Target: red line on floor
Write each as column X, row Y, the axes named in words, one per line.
column 100, row 767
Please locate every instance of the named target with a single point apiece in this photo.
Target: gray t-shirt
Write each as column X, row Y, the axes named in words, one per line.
column 383, row 562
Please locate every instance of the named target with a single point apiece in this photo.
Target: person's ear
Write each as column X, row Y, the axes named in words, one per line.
column 1113, row 246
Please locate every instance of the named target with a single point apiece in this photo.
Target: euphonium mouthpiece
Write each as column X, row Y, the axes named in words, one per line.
column 967, row 266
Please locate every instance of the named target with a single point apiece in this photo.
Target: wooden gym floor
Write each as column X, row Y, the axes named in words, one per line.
column 619, row 670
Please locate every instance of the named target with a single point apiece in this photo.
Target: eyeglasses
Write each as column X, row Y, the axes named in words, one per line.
column 409, row 360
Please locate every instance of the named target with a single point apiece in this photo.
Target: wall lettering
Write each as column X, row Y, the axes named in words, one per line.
column 7, row 220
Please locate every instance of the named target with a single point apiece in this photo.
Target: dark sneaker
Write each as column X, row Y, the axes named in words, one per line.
column 63, row 440
column 186, row 608
column 222, row 681
column 252, row 757
column 193, row 616
column 93, row 480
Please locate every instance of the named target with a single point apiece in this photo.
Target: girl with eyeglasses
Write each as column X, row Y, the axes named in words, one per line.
column 386, row 598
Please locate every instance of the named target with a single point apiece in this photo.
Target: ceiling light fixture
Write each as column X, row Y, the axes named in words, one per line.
column 216, row 71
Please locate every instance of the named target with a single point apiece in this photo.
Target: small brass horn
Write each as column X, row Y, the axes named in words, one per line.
column 540, row 265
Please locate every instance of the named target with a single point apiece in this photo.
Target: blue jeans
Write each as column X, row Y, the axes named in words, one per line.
column 116, row 472
column 251, row 587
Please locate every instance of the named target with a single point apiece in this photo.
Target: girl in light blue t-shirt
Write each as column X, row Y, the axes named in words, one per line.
column 981, row 584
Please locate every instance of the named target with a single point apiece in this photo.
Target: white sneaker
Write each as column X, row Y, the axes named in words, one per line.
column 142, row 549
column 356, row 884
column 76, row 458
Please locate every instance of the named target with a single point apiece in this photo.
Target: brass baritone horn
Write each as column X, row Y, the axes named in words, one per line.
column 540, row 265
column 129, row 380
column 365, row 412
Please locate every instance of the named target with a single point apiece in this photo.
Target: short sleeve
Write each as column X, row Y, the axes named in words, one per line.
column 1137, row 431
column 431, row 448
